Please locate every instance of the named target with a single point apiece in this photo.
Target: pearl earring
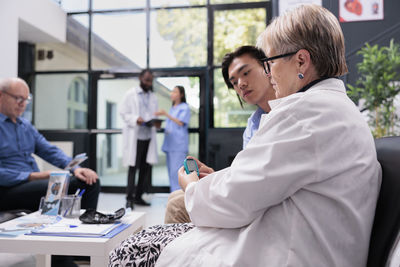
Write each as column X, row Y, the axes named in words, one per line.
column 301, row 76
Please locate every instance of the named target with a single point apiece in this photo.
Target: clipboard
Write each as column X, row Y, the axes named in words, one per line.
column 153, row 122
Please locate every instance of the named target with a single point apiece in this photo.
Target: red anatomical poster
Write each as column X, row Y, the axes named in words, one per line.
column 358, row 10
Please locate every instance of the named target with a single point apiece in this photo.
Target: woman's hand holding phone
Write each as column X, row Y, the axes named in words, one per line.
column 204, row 170
column 185, row 178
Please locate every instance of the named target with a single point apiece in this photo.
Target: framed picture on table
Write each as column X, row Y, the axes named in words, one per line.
column 56, row 189
column 360, row 10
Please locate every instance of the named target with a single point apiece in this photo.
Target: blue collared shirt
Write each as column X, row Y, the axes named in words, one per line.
column 252, row 125
column 18, row 141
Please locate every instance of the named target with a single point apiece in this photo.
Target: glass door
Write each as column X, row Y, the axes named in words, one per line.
column 110, row 93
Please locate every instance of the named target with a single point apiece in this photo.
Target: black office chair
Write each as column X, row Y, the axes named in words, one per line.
column 11, row 214
column 387, row 215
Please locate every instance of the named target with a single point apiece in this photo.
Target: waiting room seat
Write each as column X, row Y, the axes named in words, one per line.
column 11, row 214
column 387, row 215
column 67, row 147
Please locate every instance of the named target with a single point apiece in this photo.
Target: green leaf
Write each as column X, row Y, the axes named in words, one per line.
column 378, row 84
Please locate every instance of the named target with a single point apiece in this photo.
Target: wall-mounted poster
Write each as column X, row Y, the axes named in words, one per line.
column 285, row 5
column 358, row 10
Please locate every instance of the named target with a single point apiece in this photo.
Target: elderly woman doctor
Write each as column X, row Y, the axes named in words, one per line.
column 303, row 192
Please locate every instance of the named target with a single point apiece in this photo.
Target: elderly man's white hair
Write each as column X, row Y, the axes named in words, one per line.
column 6, row 83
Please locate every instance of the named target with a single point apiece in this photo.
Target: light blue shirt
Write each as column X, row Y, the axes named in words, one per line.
column 18, row 141
column 252, row 125
column 177, row 137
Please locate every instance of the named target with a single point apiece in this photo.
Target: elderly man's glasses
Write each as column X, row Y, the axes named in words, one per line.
column 19, row 99
column 266, row 60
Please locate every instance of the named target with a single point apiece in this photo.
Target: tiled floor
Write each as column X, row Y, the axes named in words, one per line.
column 107, row 202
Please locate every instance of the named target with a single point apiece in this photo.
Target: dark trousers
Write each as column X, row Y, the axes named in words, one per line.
column 27, row 195
column 144, row 172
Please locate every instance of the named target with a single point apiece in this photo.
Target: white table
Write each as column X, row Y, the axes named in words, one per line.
column 97, row 248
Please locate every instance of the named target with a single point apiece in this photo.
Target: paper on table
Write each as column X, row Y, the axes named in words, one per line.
column 14, row 233
column 71, row 227
column 26, row 224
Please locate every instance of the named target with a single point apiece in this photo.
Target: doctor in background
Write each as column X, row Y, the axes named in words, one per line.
column 303, row 192
column 176, row 139
column 139, row 140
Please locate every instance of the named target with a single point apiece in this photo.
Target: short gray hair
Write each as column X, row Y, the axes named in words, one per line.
column 6, row 83
column 313, row 28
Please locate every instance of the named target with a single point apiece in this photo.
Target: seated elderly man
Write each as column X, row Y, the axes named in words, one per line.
column 22, row 184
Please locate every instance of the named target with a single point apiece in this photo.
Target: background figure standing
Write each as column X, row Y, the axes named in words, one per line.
column 176, row 140
column 139, row 139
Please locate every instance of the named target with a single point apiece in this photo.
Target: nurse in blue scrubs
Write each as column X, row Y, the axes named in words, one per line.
column 176, row 140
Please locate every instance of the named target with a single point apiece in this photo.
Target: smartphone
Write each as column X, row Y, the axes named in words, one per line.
column 191, row 166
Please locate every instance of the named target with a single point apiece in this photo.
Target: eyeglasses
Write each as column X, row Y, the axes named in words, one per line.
column 266, row 66
column 19, row 99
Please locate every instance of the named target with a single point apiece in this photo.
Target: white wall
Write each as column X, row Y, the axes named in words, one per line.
column 9, row 39
column 27, row 20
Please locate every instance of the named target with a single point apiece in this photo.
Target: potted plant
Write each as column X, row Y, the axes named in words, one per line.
column 377, row 86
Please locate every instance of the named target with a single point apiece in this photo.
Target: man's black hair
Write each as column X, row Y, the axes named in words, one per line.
column 182, row 93
column 141, row 74
column 252, row 51
column 144, row 71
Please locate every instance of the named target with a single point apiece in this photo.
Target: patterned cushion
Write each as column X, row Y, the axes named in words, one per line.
column 144, row 248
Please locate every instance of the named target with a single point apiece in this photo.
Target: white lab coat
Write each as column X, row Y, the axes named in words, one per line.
column 302, row 193
column 130, row 113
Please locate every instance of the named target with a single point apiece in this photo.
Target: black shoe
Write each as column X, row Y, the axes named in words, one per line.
column 141, row 202
column 129, row 204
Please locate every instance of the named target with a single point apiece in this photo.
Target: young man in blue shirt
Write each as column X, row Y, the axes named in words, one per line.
column 243, row 71
column 22, row 184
